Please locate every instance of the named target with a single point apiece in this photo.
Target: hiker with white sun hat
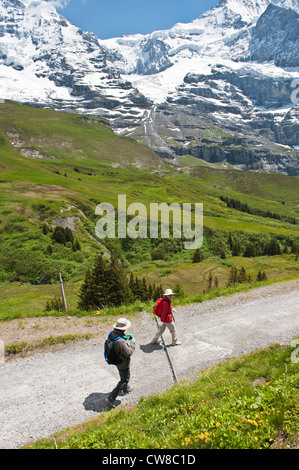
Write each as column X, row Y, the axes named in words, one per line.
column 124, row 347
column 165, row 314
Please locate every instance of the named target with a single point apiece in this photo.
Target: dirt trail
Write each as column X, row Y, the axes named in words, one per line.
column 46, row 392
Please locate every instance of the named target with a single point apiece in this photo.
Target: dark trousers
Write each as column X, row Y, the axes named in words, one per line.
column 124, row 375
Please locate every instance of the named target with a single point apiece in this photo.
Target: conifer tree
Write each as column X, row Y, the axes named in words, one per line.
column 250, row 250
column 230, row 240
column 144, row 291
column 198, row 256
column 117, row 286
column 68, row 235
column 236, row 248
column 150, row 292
column 132, row 283
column 87, row 292
column 233, row 275
column 59, row 235
column 178, row 290
column 93, row 292
column 210, row 282
column 99, row 279
column 242, row 275
column 272, row 248
column 157, row 292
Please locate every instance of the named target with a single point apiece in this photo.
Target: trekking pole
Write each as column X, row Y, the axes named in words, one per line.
column 173, row 314
column 174, row 376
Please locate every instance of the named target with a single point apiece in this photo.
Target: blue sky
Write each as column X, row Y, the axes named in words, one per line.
column 113, row 18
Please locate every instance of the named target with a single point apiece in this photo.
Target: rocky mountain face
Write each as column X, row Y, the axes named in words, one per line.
column 223, row 88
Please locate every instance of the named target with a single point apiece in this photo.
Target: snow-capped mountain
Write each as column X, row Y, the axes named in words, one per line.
column 45, row 60
column 221, row 88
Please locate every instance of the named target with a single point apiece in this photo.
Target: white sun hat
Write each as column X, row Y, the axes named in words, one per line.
column 122, row 324
column 169, row 292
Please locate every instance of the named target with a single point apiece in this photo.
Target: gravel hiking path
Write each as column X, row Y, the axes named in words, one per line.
column 49, row 391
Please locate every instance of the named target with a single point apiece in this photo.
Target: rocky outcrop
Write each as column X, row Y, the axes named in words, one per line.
column 153, row 57
column 278, row 43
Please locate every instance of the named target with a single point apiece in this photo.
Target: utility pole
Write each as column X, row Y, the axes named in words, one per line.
column 62, row 291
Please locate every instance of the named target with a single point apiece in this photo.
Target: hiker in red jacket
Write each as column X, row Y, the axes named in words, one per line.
column 167, row 319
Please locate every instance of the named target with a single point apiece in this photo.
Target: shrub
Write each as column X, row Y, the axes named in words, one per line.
column 55, row 304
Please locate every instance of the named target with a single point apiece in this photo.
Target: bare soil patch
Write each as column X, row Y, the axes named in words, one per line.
column 33, row 331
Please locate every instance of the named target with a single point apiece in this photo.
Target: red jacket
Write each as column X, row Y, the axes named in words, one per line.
column 166, row 308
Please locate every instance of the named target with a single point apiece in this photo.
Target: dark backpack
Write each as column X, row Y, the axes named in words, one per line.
column 158, row 307
column 109, row 351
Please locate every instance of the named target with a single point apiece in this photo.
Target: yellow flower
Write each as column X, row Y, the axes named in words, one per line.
column 186, row 441
column 217, row 425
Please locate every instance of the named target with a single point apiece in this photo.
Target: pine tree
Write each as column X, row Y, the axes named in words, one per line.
column 99, row 279
column 87, row 292
column 76, row 246
column 150, row 292
column 261, row 276
column 178, row 290
column 118, row 292
column 59, row 235
column 137, row 289
column 68, row 235
column 272, row 248
column 242, row 275
column 233, row 276
column 158, row 292
column 250, row 250
column 236, row 249
column 46, row 229
column 210, row 282
column 144, row 291
column 198, row 256
column 230, row 240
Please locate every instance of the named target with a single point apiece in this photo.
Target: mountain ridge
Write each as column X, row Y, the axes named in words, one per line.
column 243, row 71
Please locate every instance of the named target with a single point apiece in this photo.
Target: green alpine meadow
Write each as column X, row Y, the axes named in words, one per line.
column 57, row 167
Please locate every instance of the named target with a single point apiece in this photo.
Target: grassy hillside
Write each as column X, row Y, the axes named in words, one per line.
column 56, row 167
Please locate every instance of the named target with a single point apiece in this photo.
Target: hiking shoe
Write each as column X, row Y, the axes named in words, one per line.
column 128, row 389
column 176, row 342
column 110, row 402
column 155, row 341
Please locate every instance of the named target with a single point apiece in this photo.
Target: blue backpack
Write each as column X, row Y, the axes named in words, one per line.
column 110, row 354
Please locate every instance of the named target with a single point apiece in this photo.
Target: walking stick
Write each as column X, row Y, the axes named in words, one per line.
column 174, row 376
